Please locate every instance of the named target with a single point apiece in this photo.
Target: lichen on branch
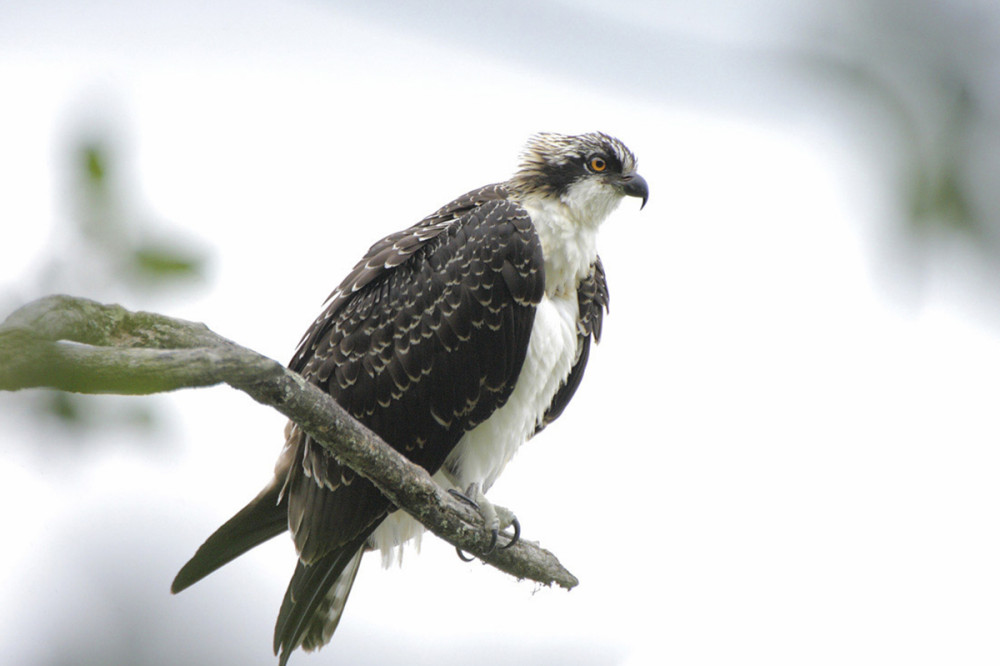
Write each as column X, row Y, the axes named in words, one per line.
column 79, row 345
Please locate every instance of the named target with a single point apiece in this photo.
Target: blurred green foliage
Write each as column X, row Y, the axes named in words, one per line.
column 929, row 71
column 108, row 251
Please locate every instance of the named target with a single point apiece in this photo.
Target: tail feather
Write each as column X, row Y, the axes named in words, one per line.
column 262, row 519
column 315, row 598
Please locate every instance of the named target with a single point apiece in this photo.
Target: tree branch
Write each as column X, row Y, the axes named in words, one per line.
column 79, row 345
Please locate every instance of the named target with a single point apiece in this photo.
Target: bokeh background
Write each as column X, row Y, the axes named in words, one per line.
column 786, row 449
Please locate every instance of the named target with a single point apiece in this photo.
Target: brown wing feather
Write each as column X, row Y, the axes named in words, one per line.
column 453, row 317
column 422, row 341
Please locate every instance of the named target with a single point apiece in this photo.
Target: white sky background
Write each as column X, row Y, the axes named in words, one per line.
column 771, row 460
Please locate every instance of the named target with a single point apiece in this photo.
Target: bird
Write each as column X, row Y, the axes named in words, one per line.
column 455, row 340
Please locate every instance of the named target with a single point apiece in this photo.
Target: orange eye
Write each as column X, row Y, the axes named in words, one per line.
column 597, row 164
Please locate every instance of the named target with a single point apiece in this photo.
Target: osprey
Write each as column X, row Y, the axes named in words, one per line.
column 455, row 340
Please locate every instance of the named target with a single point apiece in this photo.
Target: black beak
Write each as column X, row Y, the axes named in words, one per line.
column 635, row 185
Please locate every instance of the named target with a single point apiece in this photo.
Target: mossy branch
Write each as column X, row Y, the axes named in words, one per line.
column 79, row 345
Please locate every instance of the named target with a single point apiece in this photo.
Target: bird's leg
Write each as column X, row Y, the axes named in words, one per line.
column 496, row 518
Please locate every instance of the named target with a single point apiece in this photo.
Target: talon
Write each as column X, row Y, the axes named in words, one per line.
column 495, row 519
column 465, row 498
column 517, row 533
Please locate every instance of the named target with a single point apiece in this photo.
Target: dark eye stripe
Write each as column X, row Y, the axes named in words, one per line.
column 612, row 163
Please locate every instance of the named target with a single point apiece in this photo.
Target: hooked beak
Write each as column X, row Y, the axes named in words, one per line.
column 634, row 185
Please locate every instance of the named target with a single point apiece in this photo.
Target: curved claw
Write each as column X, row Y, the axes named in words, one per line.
column 465, row 498
column 517, row 533
column 494, row 532
column 494, row 535
column 468, row 500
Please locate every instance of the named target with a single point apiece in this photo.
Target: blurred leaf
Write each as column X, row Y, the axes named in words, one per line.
column 951, row 204
column 94, row 163
column 942, row 198
column 84, row 414
column 164, row 263
column 64, row 406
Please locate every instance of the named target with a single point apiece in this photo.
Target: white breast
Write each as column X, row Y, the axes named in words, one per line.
column 486, row 449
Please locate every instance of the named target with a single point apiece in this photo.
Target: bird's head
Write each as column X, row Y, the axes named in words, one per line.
column 589, row 173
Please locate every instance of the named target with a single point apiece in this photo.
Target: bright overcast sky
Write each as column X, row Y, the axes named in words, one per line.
column 770, row 461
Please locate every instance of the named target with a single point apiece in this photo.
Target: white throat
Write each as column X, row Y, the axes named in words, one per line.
column 567, row 228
